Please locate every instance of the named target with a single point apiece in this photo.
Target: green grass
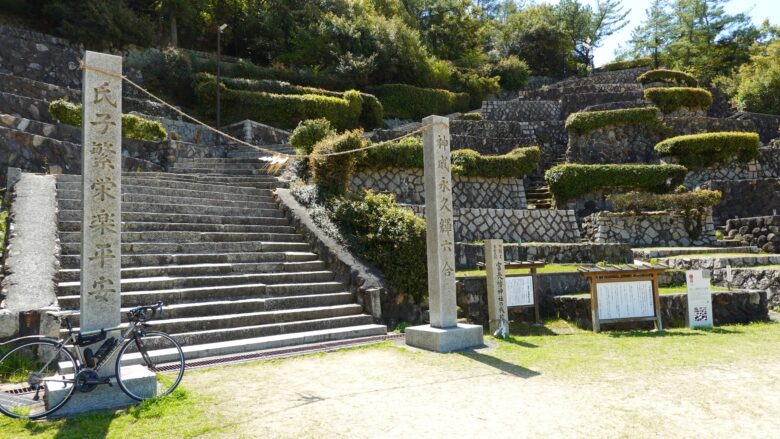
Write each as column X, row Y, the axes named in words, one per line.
column 179, row 415
column 717, row 255
column 549, row 268
column 764, row 267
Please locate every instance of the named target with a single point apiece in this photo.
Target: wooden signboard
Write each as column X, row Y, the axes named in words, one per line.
column 624, row 294
column 522, row 291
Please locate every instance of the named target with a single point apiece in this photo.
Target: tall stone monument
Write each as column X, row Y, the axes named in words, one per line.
column 444, row 333
column 498, row 311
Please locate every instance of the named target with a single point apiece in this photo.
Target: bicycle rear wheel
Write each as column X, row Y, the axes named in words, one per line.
column 156, row 352
column 36, row 379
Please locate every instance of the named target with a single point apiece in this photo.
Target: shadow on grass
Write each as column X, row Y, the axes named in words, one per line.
column 661, row 334
column 513, row 339
column 509, row 368
column 526, row 329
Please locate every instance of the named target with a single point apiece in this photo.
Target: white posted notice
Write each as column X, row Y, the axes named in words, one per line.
column 699, row 299
column 625, row 300
column 520, row 291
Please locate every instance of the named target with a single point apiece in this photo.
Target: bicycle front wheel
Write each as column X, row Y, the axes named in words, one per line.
column 36, row 379
column 155, row 352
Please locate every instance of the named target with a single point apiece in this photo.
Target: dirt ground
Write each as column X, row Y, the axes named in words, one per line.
column 395, row 391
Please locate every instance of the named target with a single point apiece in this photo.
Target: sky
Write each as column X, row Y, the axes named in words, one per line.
column 759, row 10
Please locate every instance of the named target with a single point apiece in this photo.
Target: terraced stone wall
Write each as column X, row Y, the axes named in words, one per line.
column 753, row 279
column 648, row 230
column 257, row 133
column 767, row 165
column 467, row 255
column 746, row 198
column 614, row 144
column 512, row 225
column 762, row 232
column 766, row 125
column 522, row 111
column 695, row 125
column 408, row 185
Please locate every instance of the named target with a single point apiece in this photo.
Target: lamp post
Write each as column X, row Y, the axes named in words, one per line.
column 220, row 29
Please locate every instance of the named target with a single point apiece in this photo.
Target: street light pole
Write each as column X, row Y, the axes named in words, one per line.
column 219, row 57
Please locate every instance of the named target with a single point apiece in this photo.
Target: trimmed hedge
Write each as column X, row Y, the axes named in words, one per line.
column 586, row 121
column 133, row 127
column 308, row 133
column 569, row 181
column 697, row 151
column 669, row 99
column 408, row 153
column 638, row 202
column 472, row 116
column 625, row 65
column 379, row 231
column 663, row 75
column 281, row 111
column 371, row 116
column 409, row 102
column 332, row 174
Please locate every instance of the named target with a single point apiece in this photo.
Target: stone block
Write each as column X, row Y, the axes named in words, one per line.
column 462, row 336
column 138, row 379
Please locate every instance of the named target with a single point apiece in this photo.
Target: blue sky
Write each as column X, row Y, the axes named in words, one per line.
column 759, row 10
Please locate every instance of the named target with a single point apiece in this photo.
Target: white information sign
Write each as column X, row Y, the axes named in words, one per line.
column 625, row 300
column 520, row 291
column 699, row 299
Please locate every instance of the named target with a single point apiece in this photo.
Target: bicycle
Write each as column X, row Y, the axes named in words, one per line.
column 39, row 364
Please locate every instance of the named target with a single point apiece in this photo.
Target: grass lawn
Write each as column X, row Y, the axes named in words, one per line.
column 292, row 398
column 549, row 268
column 763, row 267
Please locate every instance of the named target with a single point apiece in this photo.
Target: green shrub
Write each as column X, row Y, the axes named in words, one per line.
column 471, row 116
column 755, row 86
column 410, row 102
column 697, row 151
column 407, row 153
column 388, row 236
column 587, row 121
column 669, row 99
column 281, row 111
column 671, row 76
column 476, row 86
column 133, row 127
column 332, row 174
column 628, row 64
column 371, row 116
column 513, row 72
column 638, row 202
column 517, row 163
column 308, row 133
column 569, row 181
column 167, row 72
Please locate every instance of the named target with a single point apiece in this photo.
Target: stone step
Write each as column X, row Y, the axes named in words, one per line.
column 74, row 203
column 216, row 335
column 219, row 166
column 73, row 274
column 149, row 260
column 71, row 191
column 170, row 282
column 273, row 217
column 191, row 237
column 252, row 319
column 268, row 226
column 224, row 160
column 184, row 209
column 647, row 253
column 174, row 187
column 239, row 306
column 74, row 248
column 208, row 171
column 173, row 296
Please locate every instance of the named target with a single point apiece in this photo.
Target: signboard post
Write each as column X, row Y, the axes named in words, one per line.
column 519, row 291
column 624, row 294
column 699, row 299
column 498, row 312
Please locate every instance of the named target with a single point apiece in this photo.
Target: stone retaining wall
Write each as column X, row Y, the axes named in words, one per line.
column 767, row 125
column 753, row 279
column 762, row 232
column 766, row 166
column 468, row 255
column 727, row 307
column 511, row 225
column 699, row 263
column 695, row 125
column 470, row 134
column 187, row 132
column 521, row 111
column 746, row 198
column 257, row 133
column 648, row 230
column 616, row 144
column 409, row 187
column 572, row 102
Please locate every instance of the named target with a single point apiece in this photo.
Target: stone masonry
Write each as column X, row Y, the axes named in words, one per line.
column 746, row 198
column 524, row 111
column 762, row 232
column 648, row 230
column 614, row 144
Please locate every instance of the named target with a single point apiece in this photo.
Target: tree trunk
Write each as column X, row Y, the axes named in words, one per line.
column 174, row 31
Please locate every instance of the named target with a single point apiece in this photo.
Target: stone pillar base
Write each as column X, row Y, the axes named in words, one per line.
column 138, row 379
column 456, row 338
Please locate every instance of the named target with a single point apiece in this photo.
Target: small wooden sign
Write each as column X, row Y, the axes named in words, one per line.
column 522, row 290
column 624, row 294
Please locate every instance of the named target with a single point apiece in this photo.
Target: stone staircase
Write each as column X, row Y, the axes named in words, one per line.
column 209, row 241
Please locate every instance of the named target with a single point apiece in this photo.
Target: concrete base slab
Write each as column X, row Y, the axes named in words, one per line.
column 460, row 337
column 138, row 379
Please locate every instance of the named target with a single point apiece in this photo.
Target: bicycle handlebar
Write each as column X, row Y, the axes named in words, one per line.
column 146, row 313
